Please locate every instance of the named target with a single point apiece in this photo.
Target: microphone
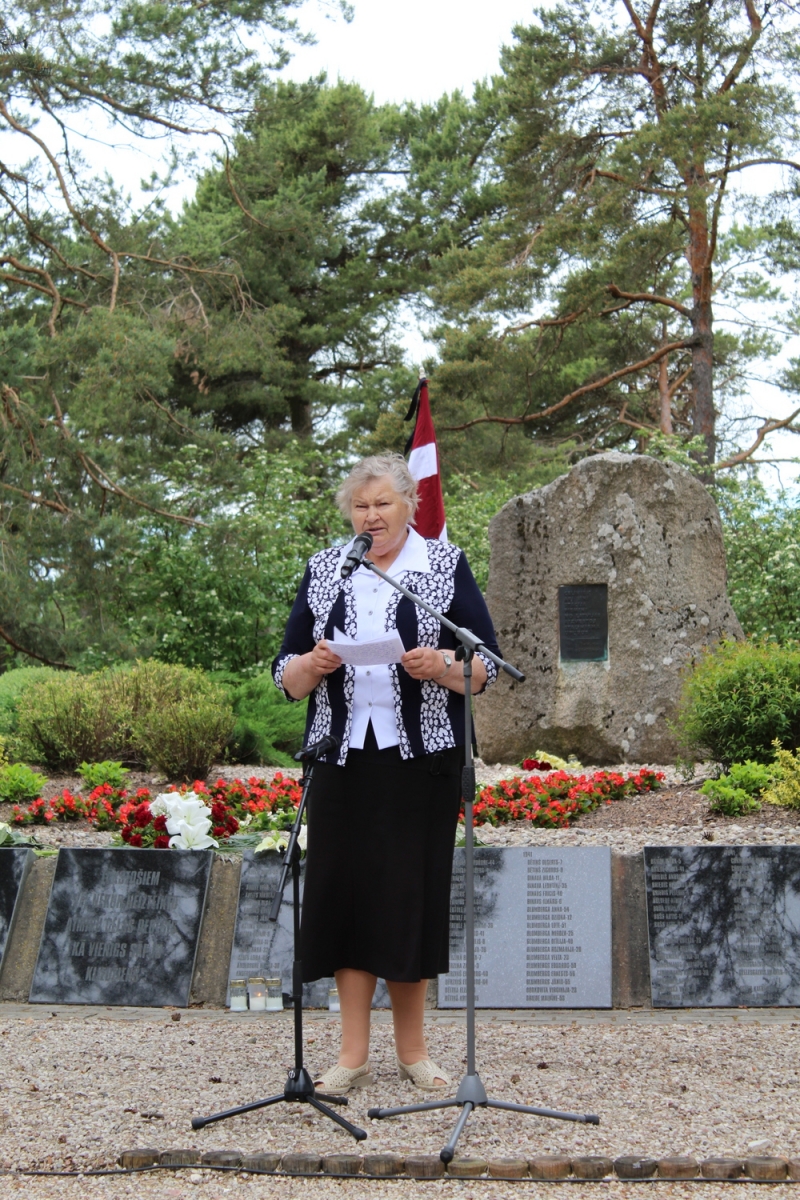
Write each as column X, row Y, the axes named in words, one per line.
column 361, row 546
column 317, row 749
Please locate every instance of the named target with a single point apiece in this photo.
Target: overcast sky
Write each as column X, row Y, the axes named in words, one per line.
column 413, row 51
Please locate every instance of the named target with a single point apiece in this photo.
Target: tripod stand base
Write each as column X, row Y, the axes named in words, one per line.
column 471, row 1094
column 299, row 1089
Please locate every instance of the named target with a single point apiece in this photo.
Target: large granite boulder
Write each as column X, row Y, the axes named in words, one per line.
column 603, row 587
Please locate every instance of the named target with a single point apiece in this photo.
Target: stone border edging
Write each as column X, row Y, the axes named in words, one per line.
column 552, row 1168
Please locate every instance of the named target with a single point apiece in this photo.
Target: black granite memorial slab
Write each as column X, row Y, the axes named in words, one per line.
column 724, row 925
column 122, row 927
column 15, row 863
column 542, row 928
column 583, row 622
column 263, row 947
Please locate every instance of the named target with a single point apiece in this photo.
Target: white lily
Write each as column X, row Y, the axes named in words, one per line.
column 188, row 810
column 192, row 837
column 6, row 833
column 159, row 806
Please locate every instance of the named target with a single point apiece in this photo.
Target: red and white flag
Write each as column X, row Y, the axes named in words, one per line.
column 423, row 463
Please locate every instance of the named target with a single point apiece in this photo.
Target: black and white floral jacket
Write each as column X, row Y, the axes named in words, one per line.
column 429, row 717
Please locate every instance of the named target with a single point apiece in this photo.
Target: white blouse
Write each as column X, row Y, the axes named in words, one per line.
column 373, row 698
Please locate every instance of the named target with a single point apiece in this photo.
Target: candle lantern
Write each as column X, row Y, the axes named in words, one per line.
column 274, row 995
column 257, row 991
column 333, row 1001
column 238, row 995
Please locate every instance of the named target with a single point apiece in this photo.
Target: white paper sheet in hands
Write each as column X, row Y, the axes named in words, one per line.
column 386, row 649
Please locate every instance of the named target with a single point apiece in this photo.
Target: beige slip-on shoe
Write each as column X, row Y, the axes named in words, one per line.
column 338, row 1080
column 424, row 1075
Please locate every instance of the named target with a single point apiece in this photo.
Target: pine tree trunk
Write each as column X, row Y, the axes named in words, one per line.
column 702, row 377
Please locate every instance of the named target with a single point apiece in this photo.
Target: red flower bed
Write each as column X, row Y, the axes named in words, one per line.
column 99, row 808
column 557, row 799
column 130, row 815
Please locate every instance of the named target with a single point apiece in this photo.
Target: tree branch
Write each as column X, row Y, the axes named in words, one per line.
column 746, row 50
column 62, row 666
column 672, row 193
column 581, row 391
column 51, row 158
column 648, row 298
column 105, row 483
column 768, row 427
column 34, row 499
column 754, row 162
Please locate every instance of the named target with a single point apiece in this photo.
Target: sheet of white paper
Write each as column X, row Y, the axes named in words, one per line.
column 386, row 649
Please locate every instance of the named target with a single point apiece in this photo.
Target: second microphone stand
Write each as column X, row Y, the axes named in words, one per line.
column 471, row 1093
column 299, row 1086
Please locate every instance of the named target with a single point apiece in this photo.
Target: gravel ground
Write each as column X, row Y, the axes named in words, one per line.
column 79, row 1086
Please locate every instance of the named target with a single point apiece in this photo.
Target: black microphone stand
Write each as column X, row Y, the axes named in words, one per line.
column 299, row 1087
column 471, row 1093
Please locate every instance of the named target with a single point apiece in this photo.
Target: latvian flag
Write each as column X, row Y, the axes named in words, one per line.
column 423, row 463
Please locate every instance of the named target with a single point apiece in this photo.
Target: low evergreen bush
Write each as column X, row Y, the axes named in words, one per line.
column 739, row 699
column 269, row 728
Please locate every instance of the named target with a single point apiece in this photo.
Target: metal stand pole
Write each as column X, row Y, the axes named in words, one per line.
column 471, row 1093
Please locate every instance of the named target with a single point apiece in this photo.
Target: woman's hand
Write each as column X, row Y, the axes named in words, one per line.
column 322, row 660
column 303, row 673
column 424, row 663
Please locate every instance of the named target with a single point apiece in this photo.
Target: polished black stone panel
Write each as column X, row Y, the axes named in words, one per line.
column 583, row 622
column 122, row 927
column 261, row 947
column 724, row 925
column 15, row 863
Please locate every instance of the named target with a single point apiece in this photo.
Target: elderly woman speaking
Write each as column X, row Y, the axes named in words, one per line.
column 383, row 809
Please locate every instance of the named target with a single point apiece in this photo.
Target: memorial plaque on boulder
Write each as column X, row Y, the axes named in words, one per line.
column 583, row 622
column 542, row 929
column 724, row 925
column 122, row 927
column 263, row 947
column 15, row 863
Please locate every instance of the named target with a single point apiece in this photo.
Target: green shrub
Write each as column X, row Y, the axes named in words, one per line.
column 739, row 699
column 736, row 793
column 96, row 774
column 71, row 719
column 12, row 685
column 19, row 784
column 269, row 729
column 785, row 788
column 124, row 714
column 184, row 738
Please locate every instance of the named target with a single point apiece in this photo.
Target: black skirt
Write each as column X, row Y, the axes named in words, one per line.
column 381, row 832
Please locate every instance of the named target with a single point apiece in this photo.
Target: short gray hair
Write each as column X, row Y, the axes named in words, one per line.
column 376, row 467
